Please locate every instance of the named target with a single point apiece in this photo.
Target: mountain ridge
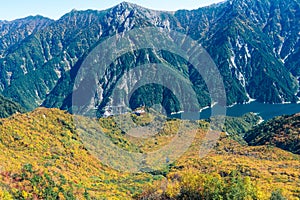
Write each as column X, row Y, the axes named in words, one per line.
column 20, row 29
column 251, row 69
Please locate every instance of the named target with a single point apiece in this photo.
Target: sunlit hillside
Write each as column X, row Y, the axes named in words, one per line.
column 43, row 157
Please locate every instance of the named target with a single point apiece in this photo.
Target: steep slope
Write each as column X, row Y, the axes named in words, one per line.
column 283, row 27
column 8, row 107
column 44, row 57
column 12, row 32
column 37, row 62
column 249, row 66
column 282, row 132
column 236, row 127
column 241, row 36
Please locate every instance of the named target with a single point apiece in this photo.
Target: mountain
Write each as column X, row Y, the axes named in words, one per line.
column 236, row 127
column 282, row 132
column 250, row 64
column 8, row 107
column 255, row 45
column 12, row 32
column 44, row 156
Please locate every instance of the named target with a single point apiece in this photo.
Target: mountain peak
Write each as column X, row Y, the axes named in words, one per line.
column 28, row 18
column 126, row 5
column 37, row 17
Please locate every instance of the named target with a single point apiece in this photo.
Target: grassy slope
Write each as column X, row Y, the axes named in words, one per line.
column 48, row 140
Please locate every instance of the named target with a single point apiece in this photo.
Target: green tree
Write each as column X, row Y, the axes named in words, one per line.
column 277, row 195
column 240, row 188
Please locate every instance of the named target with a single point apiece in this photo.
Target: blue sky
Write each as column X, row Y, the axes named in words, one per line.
column 13, row 9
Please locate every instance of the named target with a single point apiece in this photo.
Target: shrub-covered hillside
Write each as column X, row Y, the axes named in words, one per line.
column 282, row 132
column 43, row 157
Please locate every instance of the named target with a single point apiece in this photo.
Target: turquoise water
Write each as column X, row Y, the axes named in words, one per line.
column 266, row 111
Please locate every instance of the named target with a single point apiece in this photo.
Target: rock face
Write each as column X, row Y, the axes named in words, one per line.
column 12, row 32
column 255, row 45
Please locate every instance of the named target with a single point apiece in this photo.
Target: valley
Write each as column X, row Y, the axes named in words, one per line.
column 133, row 103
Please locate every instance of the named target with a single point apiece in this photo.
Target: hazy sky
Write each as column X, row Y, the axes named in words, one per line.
column 13, row 9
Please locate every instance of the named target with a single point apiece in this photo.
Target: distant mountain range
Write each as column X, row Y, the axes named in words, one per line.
column 255, row 44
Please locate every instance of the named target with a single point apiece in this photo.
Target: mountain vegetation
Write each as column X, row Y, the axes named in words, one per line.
column 8, row 107
column 50, row 152
column 282, row 132
column 44, row 157
column 13, row 32
column 236, row 127
column 255, row 45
